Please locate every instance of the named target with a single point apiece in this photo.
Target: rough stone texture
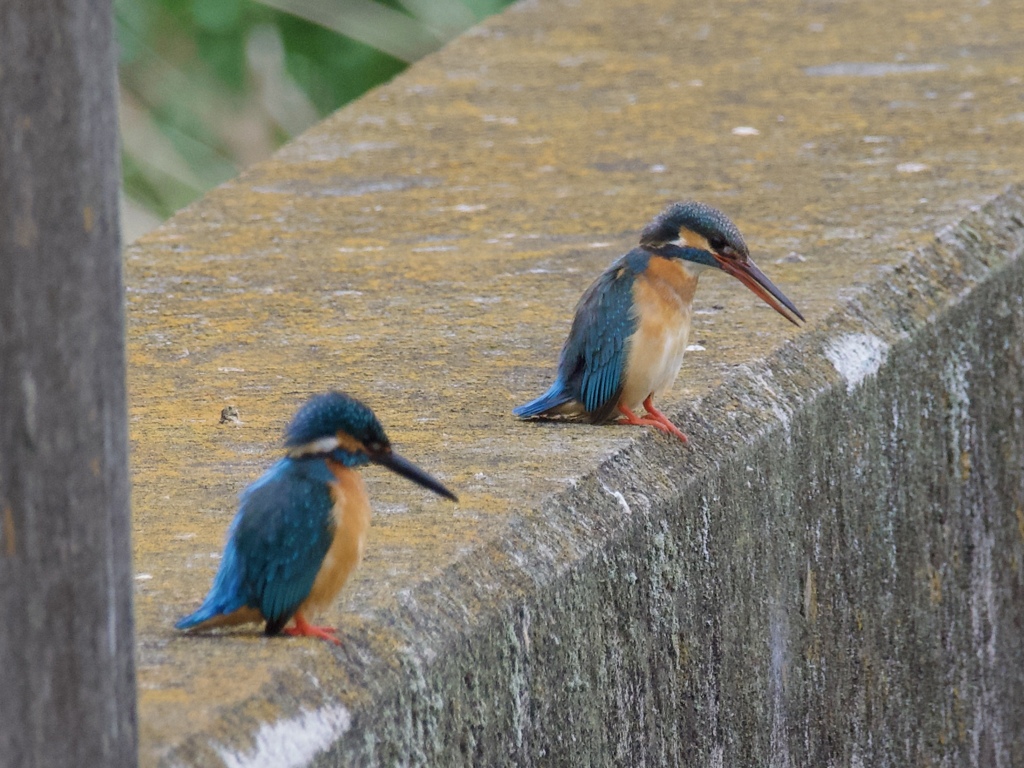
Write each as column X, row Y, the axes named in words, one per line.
column 832, row 576
column 67, row 678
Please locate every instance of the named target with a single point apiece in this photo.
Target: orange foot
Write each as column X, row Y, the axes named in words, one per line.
column 658, row 416
column 655, row 419
column 303, row 628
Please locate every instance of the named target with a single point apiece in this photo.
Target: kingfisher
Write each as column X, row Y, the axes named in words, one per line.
column 300, row 529
column 631, row 326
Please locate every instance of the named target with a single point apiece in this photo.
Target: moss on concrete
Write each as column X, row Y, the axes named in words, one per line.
column 832, row 573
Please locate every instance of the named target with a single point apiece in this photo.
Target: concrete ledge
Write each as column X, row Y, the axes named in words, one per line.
column 833, row 576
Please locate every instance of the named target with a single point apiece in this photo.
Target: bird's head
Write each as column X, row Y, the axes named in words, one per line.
column 338, row 427
column 706, row 237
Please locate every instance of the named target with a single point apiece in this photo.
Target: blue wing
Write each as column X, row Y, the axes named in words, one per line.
column 591, row 369
column 594, row 356
column 276, row 544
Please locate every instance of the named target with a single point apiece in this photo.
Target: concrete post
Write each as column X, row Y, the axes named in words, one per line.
column 66, row 649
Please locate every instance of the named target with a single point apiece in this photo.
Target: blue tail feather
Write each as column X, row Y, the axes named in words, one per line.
column 225, row 595
column 553, row 398
column 207, row 611
column 215, row 604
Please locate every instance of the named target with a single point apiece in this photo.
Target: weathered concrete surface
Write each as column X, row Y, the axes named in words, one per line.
column 833, row 576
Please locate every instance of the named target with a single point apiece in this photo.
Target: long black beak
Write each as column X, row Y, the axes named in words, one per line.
column 757, row 281
column 410, row 471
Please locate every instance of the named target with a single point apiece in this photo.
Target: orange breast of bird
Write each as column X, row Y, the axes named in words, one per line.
column 352, row 521
column 663, row 301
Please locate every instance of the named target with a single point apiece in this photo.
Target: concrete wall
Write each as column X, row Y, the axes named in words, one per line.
column 843, row 585
column 831, row 575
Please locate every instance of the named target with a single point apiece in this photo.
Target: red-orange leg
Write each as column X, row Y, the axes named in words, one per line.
column 661, row 418
column 303, row 628
column 657, row 419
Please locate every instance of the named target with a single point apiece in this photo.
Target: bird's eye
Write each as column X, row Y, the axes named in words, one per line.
column 718, row 244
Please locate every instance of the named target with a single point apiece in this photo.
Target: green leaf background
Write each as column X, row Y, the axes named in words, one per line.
column 211, row 86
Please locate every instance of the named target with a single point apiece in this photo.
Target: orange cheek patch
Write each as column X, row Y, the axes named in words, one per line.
column 348, row 443
column 694, row 240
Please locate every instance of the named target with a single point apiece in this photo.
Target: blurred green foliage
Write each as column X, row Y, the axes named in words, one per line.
column 210, row 86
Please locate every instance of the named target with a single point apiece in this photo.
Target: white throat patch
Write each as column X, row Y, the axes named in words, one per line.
column 321, row 445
